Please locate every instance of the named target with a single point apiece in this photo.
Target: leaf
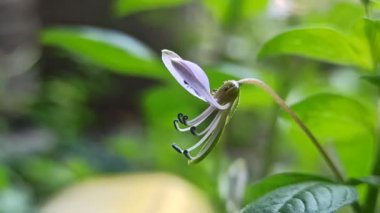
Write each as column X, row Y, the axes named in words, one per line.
column 321, row 44
column 230, row 12
column 4, row 177
column 127, row 7
column 342, row 15
column 273, row 182
column 308, row 197
column 106, row 48
column 373, row 79
column 370, row 180
column 373, row 35
column 324, row 110
column 343, row 122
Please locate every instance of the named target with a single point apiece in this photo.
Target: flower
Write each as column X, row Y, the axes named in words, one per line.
column 222, row 104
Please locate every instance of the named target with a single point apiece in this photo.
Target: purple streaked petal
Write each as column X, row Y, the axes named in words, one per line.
column 202, row 86
column 188, row 74
column 184, row 76
column 191, row 77
column 198, row 73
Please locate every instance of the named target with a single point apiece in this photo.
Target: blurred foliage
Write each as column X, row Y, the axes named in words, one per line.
column 230, row 12
column 106, row 48
column 127, row 7
column 341, row 113
column 373, row 33
column 105, row 103
column 318, row 43
column 374, row 79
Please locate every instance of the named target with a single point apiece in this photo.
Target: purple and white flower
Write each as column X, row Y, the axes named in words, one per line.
column 221, row 105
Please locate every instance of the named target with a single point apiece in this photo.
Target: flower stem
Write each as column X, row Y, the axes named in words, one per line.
column 292, row 114
column 373, row 192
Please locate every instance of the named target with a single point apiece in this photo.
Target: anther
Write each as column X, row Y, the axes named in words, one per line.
column 187, row 154
column 177, row 148
column 192, row 130
column 184, row 120
column 180, row 117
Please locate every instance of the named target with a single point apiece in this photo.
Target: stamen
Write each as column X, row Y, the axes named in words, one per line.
column 182, row 118
column 215, row 103
column 176, row 126
column 192, row 130
column 177, row 148
column 215, row 120
column 175, row 122
column 200, row 118
column 213, row 126
column 210, row 143
column 187, row 154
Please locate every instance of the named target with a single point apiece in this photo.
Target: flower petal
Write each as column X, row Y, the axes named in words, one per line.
column 189, row 75
column 202, row 86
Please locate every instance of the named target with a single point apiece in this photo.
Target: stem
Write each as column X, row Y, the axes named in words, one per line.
column 366, row 4
column 372, row 193
column 307, row 131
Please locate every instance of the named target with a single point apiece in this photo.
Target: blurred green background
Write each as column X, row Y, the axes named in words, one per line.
column 84, row 93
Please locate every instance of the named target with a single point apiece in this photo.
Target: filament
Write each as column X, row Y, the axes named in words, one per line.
column 176, row 126
column 211, row 141
column 211, row 129
column 177, row 148
column 200, row 118
column 215, row 120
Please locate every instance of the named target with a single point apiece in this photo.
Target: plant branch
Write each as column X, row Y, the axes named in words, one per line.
column 373, row 192
column 292, row 114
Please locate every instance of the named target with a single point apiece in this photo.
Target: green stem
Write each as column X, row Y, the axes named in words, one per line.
column 298, row 121
column 372, row 193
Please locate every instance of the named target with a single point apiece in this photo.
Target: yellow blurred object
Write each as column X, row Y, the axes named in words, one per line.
column 135, row 193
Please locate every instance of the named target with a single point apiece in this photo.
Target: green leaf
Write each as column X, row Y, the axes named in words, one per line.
column 308, row 197
column 230, row 12
column 343, row 122
column 373, row 35
column 127, row 7
column 373, row 79
column 370, row 180
column 106, row 48
column 330, row 113
column 4, row 177
column 273, row 182
column 342, row 15
column 321, row 44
